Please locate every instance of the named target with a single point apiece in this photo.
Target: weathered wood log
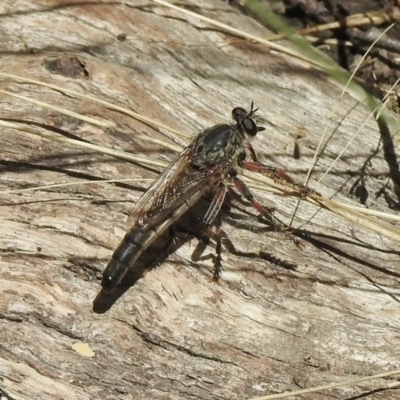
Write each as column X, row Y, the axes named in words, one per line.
column 283, row 318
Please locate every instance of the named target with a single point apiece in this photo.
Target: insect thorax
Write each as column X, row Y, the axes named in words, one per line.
column 217, row 145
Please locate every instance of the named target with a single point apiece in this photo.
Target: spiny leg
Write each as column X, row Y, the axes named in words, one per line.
column 252, row 153
column 217, row 237
column 267, row 212
column 218, row 257
column 210, row 216
column 278, row 225
column 280, row 176
column 245, row 192
column 215, row 205
column 221, row 240
column 268, row 170
column 256, row 166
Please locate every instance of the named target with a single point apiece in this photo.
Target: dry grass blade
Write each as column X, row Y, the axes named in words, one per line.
column 236, row 32
column 66, row 184
column 362, row 219
column 100, row 149
column 371, row 114
column 374, row 111
column 351, row 213
column 334, row 42
column 123, row 110
column 107, row 125
column 269, row 186
column 356, row 20
column 350, row 382
column 89, row 120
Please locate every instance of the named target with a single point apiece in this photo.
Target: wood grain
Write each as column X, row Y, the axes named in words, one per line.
column 282, row 319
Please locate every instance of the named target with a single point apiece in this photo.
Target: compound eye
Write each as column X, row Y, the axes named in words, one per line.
column 249, row 126
column 238, row 113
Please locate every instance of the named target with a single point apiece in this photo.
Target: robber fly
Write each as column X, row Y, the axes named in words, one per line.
column 210, row 162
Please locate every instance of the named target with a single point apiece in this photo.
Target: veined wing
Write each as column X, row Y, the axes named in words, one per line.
column 172, row 188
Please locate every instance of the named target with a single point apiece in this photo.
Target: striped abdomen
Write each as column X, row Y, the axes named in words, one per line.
column 138, row 240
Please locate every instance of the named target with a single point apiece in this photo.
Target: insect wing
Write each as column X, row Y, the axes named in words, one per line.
column 172, row 188
column 154, row 197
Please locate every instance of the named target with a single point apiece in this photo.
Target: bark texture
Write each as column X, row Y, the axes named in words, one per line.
column 282, row 319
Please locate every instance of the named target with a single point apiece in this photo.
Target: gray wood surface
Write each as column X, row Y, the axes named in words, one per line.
column 282, row 319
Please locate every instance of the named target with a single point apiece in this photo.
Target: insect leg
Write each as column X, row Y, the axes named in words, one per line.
column 280, row 176
column 268, row 170
column 217, row 236
column 218, row 259
column 215, row 205
column 277, row 225
column 252, row 153
column 245, row 192
column 221, row 240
